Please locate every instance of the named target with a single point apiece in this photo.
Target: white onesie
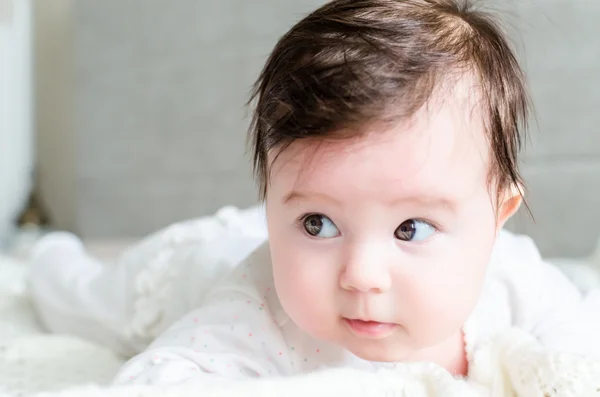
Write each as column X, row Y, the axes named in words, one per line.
column 240, row 329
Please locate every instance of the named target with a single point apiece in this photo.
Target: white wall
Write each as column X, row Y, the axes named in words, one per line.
column 16, row 143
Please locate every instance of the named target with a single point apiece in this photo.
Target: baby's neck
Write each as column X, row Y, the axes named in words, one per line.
column 459, row 365
column 449, row 354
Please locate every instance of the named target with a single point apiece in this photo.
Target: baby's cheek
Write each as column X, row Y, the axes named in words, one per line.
column 440, row 310
column 306, row 299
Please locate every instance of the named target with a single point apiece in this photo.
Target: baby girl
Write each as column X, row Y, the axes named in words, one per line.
column 385, row 140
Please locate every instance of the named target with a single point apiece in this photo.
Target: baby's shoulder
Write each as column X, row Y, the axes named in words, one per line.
column 516, row 264
column 520, row 280
column 512, row 250
column 252, row 278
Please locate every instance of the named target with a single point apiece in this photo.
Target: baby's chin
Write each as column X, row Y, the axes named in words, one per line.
column 379, row 351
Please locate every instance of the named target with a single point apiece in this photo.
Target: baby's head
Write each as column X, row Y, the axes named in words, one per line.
column 385, row 142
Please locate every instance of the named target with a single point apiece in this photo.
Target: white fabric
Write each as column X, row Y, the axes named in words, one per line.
column 241, row 330
column 523, row 366
column 126, row 304
column 32, row 361
column 511, row 361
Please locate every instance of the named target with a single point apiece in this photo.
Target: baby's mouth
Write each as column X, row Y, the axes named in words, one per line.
column 369, row 329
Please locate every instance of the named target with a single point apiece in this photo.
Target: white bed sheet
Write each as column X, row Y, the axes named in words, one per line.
column 32, row 361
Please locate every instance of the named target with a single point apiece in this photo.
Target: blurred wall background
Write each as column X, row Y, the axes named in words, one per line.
column 16, row 130
column 141, row 122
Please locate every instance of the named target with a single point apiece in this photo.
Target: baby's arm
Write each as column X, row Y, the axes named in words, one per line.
column 232, row 336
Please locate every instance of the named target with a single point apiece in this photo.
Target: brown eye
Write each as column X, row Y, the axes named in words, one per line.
column 406, row 231
column 313, row 224
column 415, row 230
column 320, row 226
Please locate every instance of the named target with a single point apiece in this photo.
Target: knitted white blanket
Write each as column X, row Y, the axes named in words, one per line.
column 517, row 366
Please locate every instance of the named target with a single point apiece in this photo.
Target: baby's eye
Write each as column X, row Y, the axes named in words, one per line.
column 414, row 230
column 318, row 225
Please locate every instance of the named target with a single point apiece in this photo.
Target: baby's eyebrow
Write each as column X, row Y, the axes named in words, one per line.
column 429, row 201
column 297, row 196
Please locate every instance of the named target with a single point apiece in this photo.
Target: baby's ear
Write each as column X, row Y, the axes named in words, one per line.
column 509, row 204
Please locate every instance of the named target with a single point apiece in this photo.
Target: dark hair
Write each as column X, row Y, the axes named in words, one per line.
column 352, row 63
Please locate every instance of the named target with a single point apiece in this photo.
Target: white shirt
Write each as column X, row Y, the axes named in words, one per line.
column 240, row 330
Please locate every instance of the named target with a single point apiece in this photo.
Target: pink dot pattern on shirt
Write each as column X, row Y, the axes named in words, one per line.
column 199, row 343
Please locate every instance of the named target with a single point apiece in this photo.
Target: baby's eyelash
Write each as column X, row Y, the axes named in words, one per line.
column 302, row 218
column 434, row 225
column 430, row 223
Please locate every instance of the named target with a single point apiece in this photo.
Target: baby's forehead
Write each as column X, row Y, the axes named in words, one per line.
column 384, row 163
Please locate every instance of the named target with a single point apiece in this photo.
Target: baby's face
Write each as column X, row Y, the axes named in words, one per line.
column 381, row 244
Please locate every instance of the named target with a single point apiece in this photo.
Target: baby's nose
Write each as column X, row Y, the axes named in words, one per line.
column 366, row 270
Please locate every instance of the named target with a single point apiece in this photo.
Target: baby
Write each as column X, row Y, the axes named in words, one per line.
column 385, row 142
